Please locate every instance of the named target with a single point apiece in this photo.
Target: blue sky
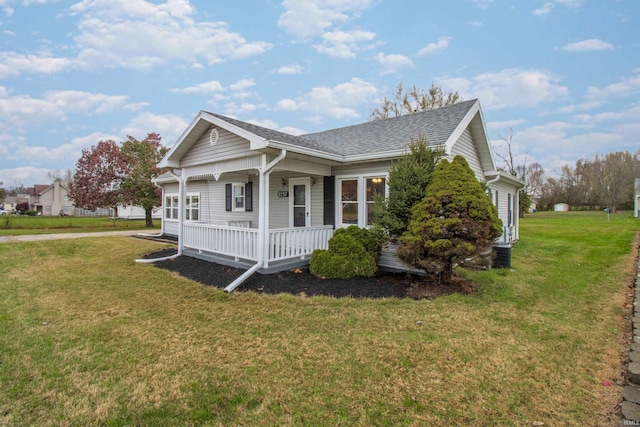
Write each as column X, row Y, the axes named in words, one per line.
column 563, row 74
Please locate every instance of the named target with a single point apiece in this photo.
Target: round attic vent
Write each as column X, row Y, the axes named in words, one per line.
column 214, row 136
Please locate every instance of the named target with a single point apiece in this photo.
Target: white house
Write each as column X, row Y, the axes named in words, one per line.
column 249, row 196
column 136, row 212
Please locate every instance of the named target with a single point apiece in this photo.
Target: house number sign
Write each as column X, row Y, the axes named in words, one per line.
column 283, row 194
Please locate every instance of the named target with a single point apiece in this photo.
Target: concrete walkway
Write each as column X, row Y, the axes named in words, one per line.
column 39, row 237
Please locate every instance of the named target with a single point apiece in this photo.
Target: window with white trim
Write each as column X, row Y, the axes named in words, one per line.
column 357, row 197
column 172, row 207
column 238, row 197
column 192, row 207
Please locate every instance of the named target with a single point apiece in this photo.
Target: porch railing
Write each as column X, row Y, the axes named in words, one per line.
column 288, row 243
column 238, row 242
column 241, row 242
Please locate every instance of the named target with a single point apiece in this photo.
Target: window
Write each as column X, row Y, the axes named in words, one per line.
column 238, row 197
column 375, row 187
column 349, row 201
column 192, row 207
column 357, row 199
column 172, row 205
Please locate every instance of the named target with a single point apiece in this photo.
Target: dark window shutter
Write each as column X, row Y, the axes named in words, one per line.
column 228, row 197
column 248, row 197
column 330, row 200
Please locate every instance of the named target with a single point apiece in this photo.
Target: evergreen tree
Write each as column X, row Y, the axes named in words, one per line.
column 453, row 224
column 408, row 179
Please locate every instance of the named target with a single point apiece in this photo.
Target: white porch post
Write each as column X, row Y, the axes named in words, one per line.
column 263, row 214
column 181, row 201
column 262, row 219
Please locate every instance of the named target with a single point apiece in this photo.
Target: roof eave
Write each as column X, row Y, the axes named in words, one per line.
column 172, row 158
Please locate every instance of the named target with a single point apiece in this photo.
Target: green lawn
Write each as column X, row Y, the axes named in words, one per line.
column 13, row 225
column 89, row 337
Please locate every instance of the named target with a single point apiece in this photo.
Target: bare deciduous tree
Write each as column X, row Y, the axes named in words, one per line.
column 414, row 100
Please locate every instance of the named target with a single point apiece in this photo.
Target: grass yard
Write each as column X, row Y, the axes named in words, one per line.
column 13, row 225
column 88, row 337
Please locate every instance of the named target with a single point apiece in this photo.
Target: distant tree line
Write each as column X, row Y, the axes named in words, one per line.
column 602, row 182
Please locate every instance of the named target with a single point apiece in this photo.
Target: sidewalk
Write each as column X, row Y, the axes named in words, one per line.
column 39, row 237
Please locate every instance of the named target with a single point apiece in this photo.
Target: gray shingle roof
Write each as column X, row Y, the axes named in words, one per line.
column 274, row 135
column 378, row 136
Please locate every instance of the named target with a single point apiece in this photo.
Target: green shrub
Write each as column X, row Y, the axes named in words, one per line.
column 371, row 242
column 352, row 252
column 31, row 213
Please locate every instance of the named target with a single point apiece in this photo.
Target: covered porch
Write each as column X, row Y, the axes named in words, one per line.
column 263, row 212
column 239, row 246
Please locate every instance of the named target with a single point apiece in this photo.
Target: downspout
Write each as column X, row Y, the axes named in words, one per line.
column 263, row 220
column 161, row 222
column 181, row 183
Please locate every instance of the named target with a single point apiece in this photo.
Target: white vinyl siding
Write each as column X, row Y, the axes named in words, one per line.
column 279, row 206
column 229, row 146
column 361, row 169
column 501, row 194
column 465, row 147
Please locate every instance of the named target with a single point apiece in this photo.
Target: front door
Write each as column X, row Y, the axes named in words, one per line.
column 299, row 203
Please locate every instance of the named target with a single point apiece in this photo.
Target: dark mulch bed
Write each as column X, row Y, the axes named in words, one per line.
column 301, row 282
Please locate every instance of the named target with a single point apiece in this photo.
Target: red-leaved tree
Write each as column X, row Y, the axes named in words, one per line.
column 99, row 173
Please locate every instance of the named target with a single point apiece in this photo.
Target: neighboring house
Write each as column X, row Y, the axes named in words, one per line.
column 561, row 207
column 10, row 203
column 136, row 212
column 50, row 200
column 636, row 198
column 249, row 196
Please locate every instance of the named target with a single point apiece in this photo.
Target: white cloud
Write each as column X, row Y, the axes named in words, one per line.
column 482, row 4
column 242, row 85
column 169, row 126
column 142, row 35
column 307, row 19
column 441, row 44
column 312, row 18
column 74, row 101
column 24, row 175
column 391, row 63
column 343, row 44
column 246, row 107
column 201, row 88
column 40, row 155
column 587, row 45
column 507, row 124
column 13, row 64
column 626, row 87
column 20, row 110
column 544, row 10
column 289, row 69
column 334, row 101
column 548, row 7
column 509, row 88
